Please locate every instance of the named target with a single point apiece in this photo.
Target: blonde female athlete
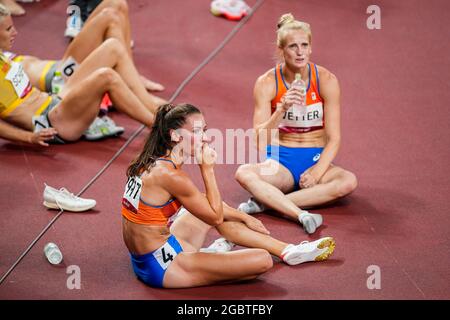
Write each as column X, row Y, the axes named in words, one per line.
column 29, row 115
column 305, row 144
column 165, row 251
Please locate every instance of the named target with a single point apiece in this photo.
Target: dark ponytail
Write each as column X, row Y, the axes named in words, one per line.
column 168, row 117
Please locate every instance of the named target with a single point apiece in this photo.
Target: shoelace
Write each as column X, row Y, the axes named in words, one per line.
column 66, row 194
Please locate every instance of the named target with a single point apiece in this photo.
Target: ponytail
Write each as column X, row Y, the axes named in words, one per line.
column 168, row 117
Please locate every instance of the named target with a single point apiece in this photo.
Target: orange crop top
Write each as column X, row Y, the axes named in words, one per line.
column 312, row 116
column 138, row 211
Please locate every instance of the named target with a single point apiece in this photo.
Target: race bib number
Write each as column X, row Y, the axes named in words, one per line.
column 132, row 194
column 165, row 255
column 19, row 79
column 304, row 117
column 68, row 67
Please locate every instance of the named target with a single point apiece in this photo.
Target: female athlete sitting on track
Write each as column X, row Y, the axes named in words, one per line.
column 29, row 115
column 158, row 192
column 306, row 142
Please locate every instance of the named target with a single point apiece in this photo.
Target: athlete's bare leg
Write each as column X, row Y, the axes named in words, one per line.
column 275, row 191
column 109, row 20
column 81, row 101
column 192, row 268
column 112, row 54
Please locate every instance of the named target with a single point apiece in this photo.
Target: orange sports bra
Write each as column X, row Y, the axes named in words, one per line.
column 138, row 211
column 312, row 116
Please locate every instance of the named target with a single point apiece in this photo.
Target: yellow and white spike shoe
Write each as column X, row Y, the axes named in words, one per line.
column 306, row 251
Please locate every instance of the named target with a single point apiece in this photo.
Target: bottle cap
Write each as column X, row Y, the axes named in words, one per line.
column 298, row 76
column 58, row 73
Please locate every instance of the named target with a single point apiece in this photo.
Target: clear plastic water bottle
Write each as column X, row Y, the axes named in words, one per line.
column 299, row 84
column 57, row 82
column 52, row 253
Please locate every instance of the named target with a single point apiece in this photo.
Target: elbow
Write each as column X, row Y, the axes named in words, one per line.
column 217, row 222
column 218, row 218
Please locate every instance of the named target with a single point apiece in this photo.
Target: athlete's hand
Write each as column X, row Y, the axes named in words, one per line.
column 206, row 156
column 42, row 136
column 308, row 180
column 291, row 97
column 255, row 225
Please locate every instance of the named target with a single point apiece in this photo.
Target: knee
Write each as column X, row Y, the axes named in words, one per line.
column 265, row 262
column 106, row 76
column 111, row 15
column 119, row 5
column 114, row 47
column 347, row 185
column 244, row 174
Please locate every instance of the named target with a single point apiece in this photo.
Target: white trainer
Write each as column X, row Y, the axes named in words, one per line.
column 251, row 206
column 310, row 221
column 308, row 251
column 230, row 9
column 101, row 128
column 63, row 199
column 219, row 246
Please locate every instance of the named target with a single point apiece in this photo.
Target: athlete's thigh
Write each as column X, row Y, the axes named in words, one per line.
column 334, row 173
column 78, row 108
column 189, row 231
column 276, row 174
column 90, row 37
column 190, row 269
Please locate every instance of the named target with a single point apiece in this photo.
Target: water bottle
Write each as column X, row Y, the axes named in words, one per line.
column 57, row 83
column 53, row 254
column 299, row 84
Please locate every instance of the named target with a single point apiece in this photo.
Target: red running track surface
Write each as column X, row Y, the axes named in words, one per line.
column 395, row 88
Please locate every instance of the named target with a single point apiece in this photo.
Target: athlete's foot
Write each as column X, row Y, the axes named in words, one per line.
column 308, row 251
column 310, row 221
column 219, row 246
column 251, row 206
column 150, row 85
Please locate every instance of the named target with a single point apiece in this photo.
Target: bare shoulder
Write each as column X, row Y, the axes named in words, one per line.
column 168, row 178
column 265, row 83
column 326, row 76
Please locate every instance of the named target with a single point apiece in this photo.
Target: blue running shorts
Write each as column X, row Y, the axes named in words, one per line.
column 296, row 160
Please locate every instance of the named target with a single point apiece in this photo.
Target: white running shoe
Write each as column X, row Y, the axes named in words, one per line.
column 308, row 251
column 103, row 127
column 310, row 221
column 219, row 246
column 230, row 9
column 251, row 206
column 63, row 199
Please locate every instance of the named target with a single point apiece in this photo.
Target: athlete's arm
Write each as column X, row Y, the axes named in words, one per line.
column 15, row 134
column 331, row 94
column 209, row 209
column 266, row 124
column 231, row 214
